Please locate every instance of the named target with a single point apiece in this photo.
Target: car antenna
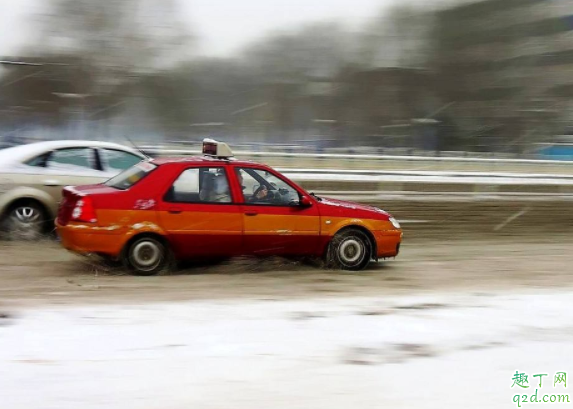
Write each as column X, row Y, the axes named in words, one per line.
column 137, row 148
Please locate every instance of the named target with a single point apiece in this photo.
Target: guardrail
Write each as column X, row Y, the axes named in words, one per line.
column 377, row 177
column 352, row 174
column 387, row 162
column 473, row 186
column 441, row 159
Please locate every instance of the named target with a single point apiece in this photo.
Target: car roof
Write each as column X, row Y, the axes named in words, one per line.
column 28, row 151
column 203, row 160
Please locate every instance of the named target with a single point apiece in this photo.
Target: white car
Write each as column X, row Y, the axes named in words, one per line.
column 32, row 177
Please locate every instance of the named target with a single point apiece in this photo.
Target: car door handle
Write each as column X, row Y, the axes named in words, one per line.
column 251, row 213
column 174, row 210
column 52, row 182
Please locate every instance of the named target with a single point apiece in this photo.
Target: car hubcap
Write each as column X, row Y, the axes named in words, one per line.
column 146, row 255
column 351, row 252
column 26, row 215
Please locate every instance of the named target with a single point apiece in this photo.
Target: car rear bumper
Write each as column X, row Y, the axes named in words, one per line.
column 388, row 243
column 85, row 239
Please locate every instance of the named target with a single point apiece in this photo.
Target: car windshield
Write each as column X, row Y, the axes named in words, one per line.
column 131, row 176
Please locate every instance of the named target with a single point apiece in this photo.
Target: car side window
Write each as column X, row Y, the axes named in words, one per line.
column 38, row 161
column 71, row 159
column 116, row 161
column 263, row 188
column 200, row 185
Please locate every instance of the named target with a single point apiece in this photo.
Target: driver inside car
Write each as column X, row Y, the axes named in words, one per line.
column 261, row 194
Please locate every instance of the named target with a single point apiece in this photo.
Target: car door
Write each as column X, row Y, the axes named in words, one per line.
column 63, row 167
column 199, row 214
column 279, row 225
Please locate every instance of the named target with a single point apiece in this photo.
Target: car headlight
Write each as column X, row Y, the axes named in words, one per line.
column 394, row 222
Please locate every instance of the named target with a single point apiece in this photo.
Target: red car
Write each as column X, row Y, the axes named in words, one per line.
column 216, row 206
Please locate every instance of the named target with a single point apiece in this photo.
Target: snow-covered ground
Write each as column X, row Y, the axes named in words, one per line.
column 435, row 351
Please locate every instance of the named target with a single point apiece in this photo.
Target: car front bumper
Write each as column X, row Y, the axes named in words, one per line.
column 388, row 243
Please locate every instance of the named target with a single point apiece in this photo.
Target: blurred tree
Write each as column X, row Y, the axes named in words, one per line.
column 296, row 74
column 489, row 70
column 397, row 37
column 317, row 50
column 47, row 92
column 131, row 35
column 387, row 85
column 96, row 53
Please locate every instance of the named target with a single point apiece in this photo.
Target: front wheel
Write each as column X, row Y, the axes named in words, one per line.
column 350, row 249
column 146, row 256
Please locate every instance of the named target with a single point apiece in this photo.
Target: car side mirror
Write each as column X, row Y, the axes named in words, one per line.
column 305, row 201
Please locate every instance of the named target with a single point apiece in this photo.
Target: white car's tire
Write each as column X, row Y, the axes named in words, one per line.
column 25, row 220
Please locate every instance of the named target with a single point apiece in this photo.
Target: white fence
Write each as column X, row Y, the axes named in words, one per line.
column 377, row 177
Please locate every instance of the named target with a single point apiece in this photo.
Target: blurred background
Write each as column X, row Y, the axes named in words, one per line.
column 407, row 78
column 455, row 116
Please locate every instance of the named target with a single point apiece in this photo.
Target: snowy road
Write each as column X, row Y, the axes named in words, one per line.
column 445, row 325
column 435, row 351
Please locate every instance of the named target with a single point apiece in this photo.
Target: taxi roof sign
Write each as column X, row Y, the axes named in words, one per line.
column 216, row 149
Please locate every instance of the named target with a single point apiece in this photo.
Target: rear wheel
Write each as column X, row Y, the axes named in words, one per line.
column 26, row 220
column 350, row 249
column 146, row 256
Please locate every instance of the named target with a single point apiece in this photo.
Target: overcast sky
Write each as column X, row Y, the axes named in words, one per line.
column 224, row 26
column 221, row 26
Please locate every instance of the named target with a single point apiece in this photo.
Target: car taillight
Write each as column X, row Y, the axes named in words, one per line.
column 84, row 210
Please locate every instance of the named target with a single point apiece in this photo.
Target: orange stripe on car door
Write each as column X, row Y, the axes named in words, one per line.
column 208, row 230
column 280, row 230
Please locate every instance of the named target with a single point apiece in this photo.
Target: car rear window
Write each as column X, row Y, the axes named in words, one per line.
column 131, row 176
column 38, row 161
column 118, row 161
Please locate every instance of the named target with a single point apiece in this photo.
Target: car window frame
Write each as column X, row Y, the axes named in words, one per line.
column 102, row 161
column 178, row 174
column 274, row 173
column 95, row 158
column 43, row 157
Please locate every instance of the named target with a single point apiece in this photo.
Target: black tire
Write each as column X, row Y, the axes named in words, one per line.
column 25, row 220
column 146, row 256
column 350, row 249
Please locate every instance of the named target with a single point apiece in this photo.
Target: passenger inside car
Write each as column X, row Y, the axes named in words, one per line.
column 219, row 189
column 200, row 185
